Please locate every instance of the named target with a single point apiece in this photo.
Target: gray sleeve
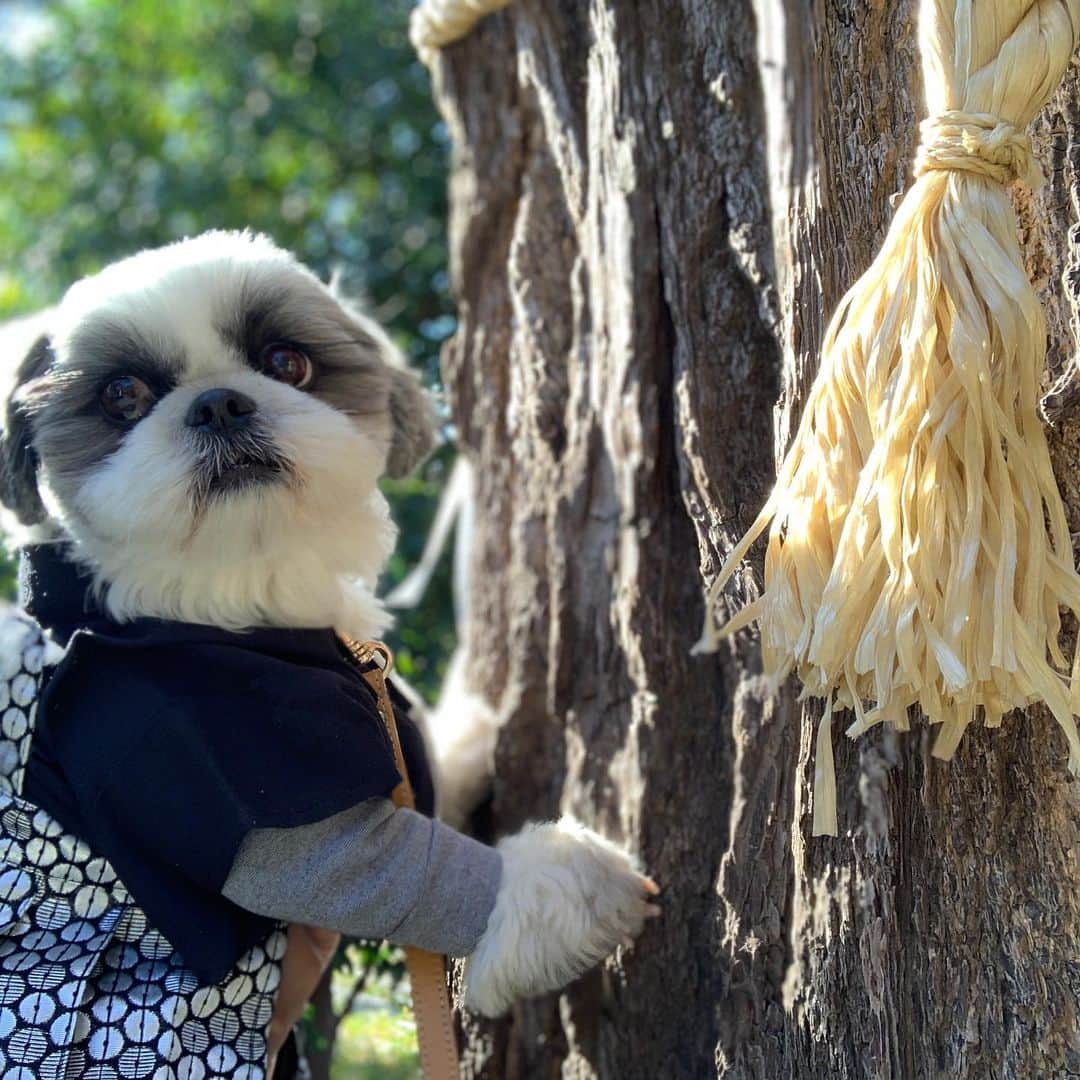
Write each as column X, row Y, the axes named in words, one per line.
column 372, row 871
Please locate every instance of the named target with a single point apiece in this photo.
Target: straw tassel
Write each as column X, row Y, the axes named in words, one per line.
column 919, row 552
column 824, row 777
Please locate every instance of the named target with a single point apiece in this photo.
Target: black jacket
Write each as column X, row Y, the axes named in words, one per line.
column 162, row 744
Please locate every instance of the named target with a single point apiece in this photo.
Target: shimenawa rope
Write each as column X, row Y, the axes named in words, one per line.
column 919, row 552
column 435, row 24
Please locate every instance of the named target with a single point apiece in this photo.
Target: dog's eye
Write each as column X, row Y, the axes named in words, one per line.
column 287, row 365
column 126, row 399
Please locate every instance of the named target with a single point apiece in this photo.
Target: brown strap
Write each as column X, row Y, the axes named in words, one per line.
column 427, row 970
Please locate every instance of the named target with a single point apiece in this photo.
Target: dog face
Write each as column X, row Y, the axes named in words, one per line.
column 208, row 415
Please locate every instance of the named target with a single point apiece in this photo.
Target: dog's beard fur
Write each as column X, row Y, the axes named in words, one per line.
column 233, row 466
column 278, row 523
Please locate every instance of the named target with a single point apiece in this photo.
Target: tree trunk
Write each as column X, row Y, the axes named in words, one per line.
column 655, row 205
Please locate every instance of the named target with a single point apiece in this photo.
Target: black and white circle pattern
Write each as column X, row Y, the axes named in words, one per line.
column 87, row 987
column 24, row 654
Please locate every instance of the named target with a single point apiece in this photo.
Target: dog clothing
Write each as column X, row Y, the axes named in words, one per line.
column 170, row 796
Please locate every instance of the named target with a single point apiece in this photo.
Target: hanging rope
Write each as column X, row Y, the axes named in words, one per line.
column 435, row 24
column 919, row 552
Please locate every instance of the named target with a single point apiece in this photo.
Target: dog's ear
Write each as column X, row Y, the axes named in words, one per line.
column 412, row 410
column 18, row 461
column 412, row 419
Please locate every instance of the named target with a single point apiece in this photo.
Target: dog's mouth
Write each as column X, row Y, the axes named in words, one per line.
column 235, row 470
column 241, row 475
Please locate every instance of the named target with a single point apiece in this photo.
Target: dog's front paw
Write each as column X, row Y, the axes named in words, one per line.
column 567, row 899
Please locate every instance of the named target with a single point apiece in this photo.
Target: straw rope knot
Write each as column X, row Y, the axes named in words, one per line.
column 437, row 23
column 978, row 143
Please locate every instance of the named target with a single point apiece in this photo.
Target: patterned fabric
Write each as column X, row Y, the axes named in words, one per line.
column 87, row 987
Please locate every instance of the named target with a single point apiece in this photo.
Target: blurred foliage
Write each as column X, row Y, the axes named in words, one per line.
column 424, row 637
column 7, row 576
column 375, row 1031
column 377, row 1046
column 129, row 123
column 377, row 1040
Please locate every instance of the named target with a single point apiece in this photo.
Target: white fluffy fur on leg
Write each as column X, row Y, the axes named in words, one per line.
column 567, row 899
column 463, row 729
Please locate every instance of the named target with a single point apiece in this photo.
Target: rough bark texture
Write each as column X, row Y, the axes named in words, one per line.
column 637, row 288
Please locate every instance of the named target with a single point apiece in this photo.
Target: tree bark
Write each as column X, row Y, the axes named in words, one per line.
column 655, row 205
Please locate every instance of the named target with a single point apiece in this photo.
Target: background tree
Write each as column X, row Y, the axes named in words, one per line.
column 655, row 206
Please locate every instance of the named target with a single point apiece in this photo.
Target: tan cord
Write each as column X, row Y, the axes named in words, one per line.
column 919, row 552
column 435, row 24
column 435, row 1033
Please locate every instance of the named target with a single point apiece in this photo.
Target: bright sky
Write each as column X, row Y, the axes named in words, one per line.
column 22, row 26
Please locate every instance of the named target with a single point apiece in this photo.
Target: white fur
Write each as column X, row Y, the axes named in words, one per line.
column 568, row 898
column 463, row 730
column 170, row 290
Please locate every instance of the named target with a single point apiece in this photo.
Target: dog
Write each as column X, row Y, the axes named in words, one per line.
column 194, row 436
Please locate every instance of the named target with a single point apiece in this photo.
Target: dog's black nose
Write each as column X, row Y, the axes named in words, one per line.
column 220, row 410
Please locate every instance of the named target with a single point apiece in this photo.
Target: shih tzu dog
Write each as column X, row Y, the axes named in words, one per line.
column 192, row 443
